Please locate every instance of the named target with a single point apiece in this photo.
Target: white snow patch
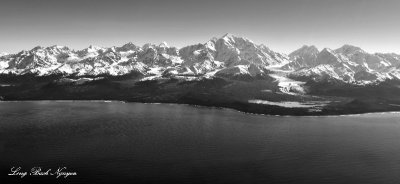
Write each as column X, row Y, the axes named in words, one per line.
column 3, row 54
column 287, row 85
column 290, row 104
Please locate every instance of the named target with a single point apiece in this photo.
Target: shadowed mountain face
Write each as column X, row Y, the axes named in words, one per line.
column 230, row 71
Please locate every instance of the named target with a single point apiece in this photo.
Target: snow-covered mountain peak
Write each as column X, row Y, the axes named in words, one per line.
column 309, row 48
column 57, row 47
column 306, row 56
column 228, row 35
column 127, row 47
column 163, row 44
column 349, row 49
column 234, row 40
column 94, row 47
column 305, row 50
column 327, row 50
column 227, row 38
column 128, row 44
column 234, row 50
column 148, row 46
column 328, row 56
column 90, row 51
column 37, row 48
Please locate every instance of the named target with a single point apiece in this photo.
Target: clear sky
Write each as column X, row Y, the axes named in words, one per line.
column 282, row 25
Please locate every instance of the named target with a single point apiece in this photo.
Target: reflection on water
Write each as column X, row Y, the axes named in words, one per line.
column 160, row 143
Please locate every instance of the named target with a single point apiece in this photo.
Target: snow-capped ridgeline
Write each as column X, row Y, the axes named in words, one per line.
column 347, row 63
column 228, row 55
column 228, row 51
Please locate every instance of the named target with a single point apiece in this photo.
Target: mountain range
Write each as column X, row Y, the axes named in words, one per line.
column 229, row 55
column 251, row 73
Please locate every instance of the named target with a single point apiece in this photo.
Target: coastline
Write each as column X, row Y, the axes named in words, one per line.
column 206, row 106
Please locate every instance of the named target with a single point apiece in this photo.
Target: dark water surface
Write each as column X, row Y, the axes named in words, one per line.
column 160, row 143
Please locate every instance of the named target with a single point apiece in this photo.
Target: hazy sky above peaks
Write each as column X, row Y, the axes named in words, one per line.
column 282, row 25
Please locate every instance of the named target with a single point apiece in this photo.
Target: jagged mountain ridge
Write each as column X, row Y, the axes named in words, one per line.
column 223, row 53
column 347, row 63
column 227, row 56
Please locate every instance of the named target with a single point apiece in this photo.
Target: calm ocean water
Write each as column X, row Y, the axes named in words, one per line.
column 160, row 143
